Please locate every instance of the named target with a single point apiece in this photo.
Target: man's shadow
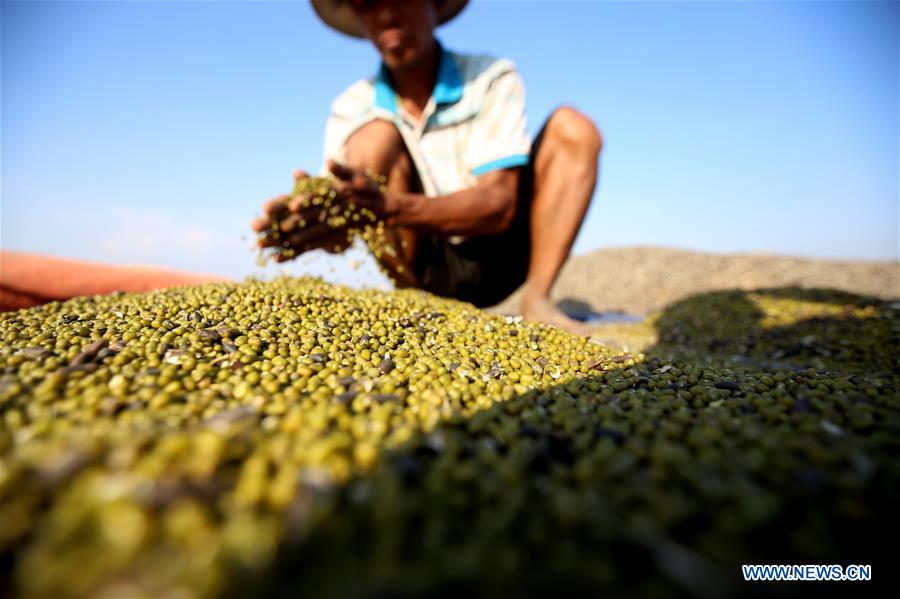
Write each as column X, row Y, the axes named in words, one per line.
column 823, row 329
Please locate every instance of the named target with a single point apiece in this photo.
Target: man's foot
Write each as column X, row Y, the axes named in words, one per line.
column 541, row 309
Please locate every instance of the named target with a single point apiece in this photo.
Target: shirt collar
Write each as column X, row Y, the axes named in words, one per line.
column 448, row 88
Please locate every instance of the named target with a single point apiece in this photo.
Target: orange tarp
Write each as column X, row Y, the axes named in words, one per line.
column 29, row 280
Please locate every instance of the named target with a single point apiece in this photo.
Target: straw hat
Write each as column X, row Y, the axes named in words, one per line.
column 339, row 15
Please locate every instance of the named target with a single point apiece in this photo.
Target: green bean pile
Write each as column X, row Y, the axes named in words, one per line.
column 293, row 437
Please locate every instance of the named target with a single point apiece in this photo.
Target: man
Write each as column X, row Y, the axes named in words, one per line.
column 473, row 206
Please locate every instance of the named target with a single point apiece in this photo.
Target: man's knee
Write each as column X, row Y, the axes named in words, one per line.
column 376, row 146
column 573, row 129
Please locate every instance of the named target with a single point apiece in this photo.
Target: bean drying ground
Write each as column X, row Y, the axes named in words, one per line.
column 292, row 436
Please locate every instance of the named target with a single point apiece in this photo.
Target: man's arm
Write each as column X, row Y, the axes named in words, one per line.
column 487, row 208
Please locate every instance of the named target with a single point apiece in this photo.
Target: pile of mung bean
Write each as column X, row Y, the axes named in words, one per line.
column 296, row 437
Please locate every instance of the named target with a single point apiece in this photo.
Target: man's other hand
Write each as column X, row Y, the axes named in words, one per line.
column 355, row 186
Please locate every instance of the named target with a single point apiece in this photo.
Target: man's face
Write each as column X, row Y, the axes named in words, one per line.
column 402, row 30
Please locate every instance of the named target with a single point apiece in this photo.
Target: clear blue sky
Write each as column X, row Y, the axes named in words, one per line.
column 150, row 132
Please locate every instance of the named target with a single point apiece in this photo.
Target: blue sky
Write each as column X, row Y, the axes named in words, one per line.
column 150, row 132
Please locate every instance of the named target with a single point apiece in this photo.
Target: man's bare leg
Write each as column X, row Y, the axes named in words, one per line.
column 378, row 147
column 565, row 174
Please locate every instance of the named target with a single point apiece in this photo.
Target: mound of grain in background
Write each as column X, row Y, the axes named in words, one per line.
column 642, row 280
column 293, row 436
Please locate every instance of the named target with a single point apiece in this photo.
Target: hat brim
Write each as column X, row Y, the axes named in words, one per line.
column 339, row 15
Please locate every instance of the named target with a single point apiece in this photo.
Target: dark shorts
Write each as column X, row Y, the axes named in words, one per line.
column 486, row 269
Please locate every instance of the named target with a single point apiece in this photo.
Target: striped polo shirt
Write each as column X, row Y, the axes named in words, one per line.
column 473, row 123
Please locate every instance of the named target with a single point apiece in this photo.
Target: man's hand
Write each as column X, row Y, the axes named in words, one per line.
column 295, row 225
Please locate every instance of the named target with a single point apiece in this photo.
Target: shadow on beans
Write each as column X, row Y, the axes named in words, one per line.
column 789, row 329
column 633, row 492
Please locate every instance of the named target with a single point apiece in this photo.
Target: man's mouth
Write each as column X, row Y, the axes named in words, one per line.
column 391, row 39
